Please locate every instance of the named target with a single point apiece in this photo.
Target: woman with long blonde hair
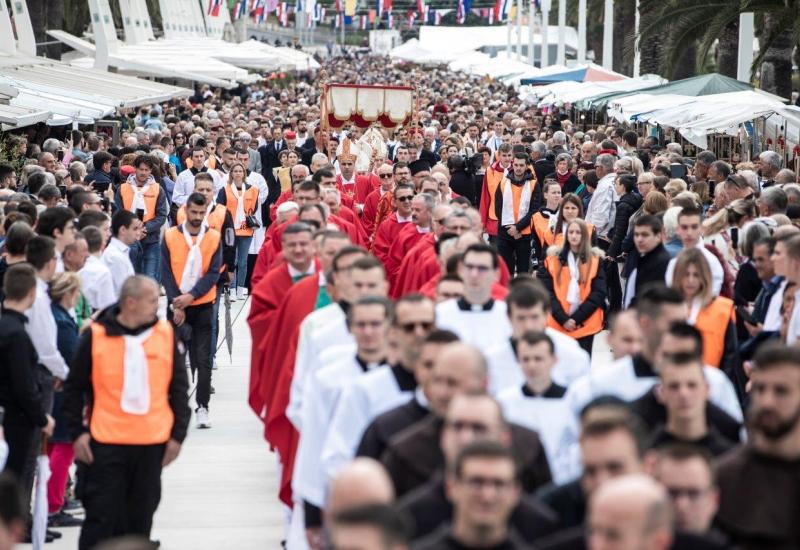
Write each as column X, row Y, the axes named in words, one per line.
column 713, row 316
column 574, row 276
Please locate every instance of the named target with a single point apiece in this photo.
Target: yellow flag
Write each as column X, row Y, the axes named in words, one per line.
column 350, row 7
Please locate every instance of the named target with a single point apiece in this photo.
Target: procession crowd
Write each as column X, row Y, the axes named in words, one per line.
column 424, row 303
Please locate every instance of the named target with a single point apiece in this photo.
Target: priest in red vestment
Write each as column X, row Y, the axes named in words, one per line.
column 421, row 214
column 267, row 256
column 386, row 177
column 268, row 293
column 391, row 226
column 402, row 174
column 348, row 182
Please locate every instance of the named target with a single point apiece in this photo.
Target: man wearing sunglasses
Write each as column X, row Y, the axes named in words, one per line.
column 477, row 318
column 388, row 230
column 386, row 176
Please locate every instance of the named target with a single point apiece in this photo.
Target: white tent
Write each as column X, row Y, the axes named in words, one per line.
column 560, row 93
column 414, row 52
column 457, row 38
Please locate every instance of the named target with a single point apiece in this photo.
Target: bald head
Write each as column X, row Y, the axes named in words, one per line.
column 633, row 511
column 459, row 368
column 625, row 337
column 363, row 481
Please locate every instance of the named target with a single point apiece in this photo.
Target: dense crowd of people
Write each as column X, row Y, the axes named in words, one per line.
column 425, row 303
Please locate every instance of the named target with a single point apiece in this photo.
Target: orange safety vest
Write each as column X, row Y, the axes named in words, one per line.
column 150, row 199
column 111, row 425
column 541, row 226
column 559, row 238
column 493, row 179
column 516, row 194
column 179, row 253
column 712, row 322
column 561, row 278
column 215, row 219
column 250, row 204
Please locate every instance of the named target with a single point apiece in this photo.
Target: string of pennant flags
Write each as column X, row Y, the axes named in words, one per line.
column 345, row 12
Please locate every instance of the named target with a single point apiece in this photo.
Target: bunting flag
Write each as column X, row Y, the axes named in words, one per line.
column 437, row 17
column 284, row 14
column 241, row 9
column 379, row 8
column 319, row 13
column 420, row 7
column 363, row 23
column 214, row 7
column 502, row 9
column 426, row 12
column 490, row 15
column 390, row 21
column 371, row 17
column 412, row 16
column 387, row 5
column 337, row 21
column 460, row 16
column 260, row 11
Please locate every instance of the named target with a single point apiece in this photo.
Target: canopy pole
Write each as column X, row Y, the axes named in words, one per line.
column 519, row 30
column 581, row 31
column 561, row 54
column 544, row 54
column 608, row 35
column 746, row 35
column 637, row 55
column 531, row 18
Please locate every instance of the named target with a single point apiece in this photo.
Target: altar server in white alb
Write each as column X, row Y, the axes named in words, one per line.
column 368, row 320
column 539, row 404
column 528, row 306
column 476, row 318
column 631, row 377
column 381, row 389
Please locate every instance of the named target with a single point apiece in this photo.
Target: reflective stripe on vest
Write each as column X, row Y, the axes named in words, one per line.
column 561, row 278
column 493, row 179
column 215, row 220
column 712, row 322
column 179, row 252
column 108, row 423
column 250, row 204
column 150, row 199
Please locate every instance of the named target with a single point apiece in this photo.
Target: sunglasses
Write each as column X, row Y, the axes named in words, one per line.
column 411, row 327
column 406, row 198
column 384, row 176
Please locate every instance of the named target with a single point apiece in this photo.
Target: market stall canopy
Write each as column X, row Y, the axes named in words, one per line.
column 579, row 73
column 565, row 93
column 72, row 94
column 707, row 84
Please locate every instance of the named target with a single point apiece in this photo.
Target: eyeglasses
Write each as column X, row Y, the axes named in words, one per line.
column 477, row 483
column 384, row 176
column 406, row 198
column 411, row 327
column 478, row 268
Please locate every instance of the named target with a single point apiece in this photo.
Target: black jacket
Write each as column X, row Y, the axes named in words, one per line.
column 413, row 455
column 571, row 186
column 19, row 392
column 429, row 508
column 595, row 300
column 465, row 185
column 535, row 202
column 542, row 168
column 442, row 539
column 385, row 426
column 650, row 268
column 78, row 390
column 626, row 206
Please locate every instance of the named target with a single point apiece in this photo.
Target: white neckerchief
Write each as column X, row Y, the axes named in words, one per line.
column 508, row 217
column 193, row 269
column 138, row 197
column 574, row 289
column 208, row 213
column 694, row 311
column 238, row 222
column 136, row 382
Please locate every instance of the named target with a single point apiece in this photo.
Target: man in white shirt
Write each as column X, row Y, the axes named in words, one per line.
column 690, row 231
column 96, row 280
column 787, row 253
column 368, row 320
column 602, row 206
column 184, row 184
column 41, row 326
column 476, row 318
column 528, row 307
column 125, row 230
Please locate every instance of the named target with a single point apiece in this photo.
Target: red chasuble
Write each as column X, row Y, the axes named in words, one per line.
column 407, row 273
column 406, row 239
column 370, row 211
column 267, row 295
column 385, row 236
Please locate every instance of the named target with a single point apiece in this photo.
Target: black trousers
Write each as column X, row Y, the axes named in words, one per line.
column 44, row 380
column 199, row 321
column 586, row 343
column 515, row 252
column 120, row 491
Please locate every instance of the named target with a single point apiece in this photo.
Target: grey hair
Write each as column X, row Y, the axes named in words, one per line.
column 429, row 201
column 775, row 198
column 302, row 167
column 539, row 147
column 750, row 234
column 318, row 156
column 559, row 138
column 606, row 161
column 458, row 214
column 785, row 176
column 51, row 145
column 792, row 190
column 567, row 157
column 772, row 158
column 675, row 148
column 751, row 178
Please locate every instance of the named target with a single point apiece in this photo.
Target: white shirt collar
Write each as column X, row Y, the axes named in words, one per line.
column 401, row 219
column 350, row 181
column 296, row 273
column 118, row 244
column 423, row 230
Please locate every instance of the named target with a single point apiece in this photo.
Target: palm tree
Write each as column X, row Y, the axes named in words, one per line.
column 711, row 22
